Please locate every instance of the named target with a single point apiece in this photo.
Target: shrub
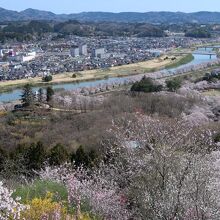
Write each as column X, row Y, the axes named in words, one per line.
column 146, row 85
column 211, row 77
column 10, row 119
column 47, row 78
column 74, row 75
column 48, row 200
column 44, row 209
column 173, row 84
column 217, row 138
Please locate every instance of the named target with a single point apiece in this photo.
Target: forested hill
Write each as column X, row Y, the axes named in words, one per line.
column 149, row 17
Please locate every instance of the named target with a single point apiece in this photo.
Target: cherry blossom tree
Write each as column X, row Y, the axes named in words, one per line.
column 164, row 168
column 9, row 208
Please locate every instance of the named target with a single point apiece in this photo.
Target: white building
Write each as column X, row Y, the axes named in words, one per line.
column 6, row 52
column 83, row 50
column 100, row 53
column 28, row 57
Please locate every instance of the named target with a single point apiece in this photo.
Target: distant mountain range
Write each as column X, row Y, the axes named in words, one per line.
column 149, row 17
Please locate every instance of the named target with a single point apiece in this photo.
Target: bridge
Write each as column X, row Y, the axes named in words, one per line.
column 197, row 52
column 209, row 47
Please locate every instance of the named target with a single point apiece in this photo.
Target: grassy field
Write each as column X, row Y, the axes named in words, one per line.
column 119, row 71
column 187, row 59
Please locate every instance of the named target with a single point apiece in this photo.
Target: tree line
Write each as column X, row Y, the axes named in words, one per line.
column 23, row 31
column 149, row 85
column 27, row 159
column 28, row 98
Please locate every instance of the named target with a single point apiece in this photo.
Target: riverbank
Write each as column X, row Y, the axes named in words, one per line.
column 89, row 75
column 187, row 59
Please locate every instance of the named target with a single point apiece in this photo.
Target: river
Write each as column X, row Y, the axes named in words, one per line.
column 16, row 93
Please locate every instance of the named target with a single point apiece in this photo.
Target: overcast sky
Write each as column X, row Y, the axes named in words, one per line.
column 72, row 6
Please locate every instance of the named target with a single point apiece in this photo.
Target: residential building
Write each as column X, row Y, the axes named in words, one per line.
column 83, row 50
column 98, row 52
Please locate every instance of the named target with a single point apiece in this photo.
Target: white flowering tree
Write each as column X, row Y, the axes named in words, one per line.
column 9, row 208
column 164, row 168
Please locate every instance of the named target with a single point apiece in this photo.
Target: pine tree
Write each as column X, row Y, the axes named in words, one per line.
column 3, row 157
column 36, row 156
column 50, row 93
column 80, row 157
column 47, row 78
column 27, row 97
column 58, row 155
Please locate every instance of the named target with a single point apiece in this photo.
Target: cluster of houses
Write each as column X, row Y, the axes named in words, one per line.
column 74, row 53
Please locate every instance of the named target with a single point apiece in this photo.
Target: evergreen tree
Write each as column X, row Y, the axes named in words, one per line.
column 93, row 158
column 49, row 94
column 58, row 155
column 47, row 78
column 3, row 156
column 36, row 156
column 27, row 97
column 173, row 84
column 80, row 157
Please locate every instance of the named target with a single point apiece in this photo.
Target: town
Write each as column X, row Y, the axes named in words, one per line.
column 54, row 55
